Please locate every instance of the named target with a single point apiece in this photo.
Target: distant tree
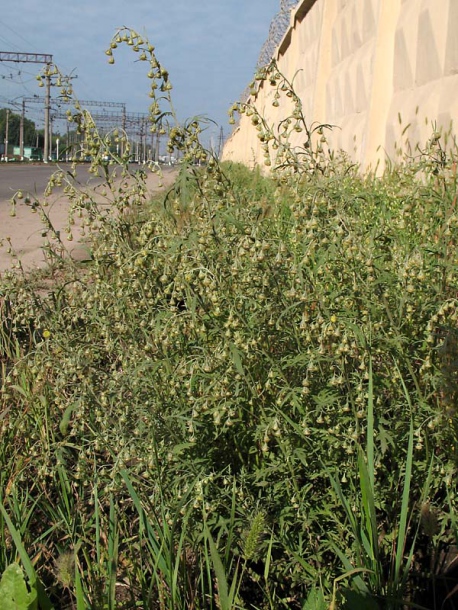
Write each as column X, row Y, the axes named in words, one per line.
column 14, row 122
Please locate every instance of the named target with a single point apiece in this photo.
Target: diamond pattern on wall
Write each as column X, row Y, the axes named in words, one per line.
column 356, row 28
column 361, row 97
column 343, row 37
column 344, row 40
column 334, row 107
column 335, row 50
column 349, row 105
column 428, row 63
column 403, row 70
column 370, row 8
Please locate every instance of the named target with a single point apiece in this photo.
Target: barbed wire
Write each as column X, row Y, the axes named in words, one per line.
column 278, row 27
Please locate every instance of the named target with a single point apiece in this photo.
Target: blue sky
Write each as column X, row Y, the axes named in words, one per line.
column 210, row 48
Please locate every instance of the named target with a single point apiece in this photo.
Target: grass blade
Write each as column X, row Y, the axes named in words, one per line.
column 113, row 536
column 223, row 592
column 79, row 593
column 401, row 538
column 156, row 547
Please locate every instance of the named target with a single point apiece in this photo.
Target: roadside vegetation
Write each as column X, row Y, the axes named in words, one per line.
column 246, row 398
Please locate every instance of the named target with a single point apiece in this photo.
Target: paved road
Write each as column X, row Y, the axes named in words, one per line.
column 23, row 230
column 33, row 178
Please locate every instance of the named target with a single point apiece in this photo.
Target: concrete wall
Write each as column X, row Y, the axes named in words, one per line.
column 370, row 67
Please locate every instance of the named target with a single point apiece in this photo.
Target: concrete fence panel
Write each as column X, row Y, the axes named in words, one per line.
column 384, row 72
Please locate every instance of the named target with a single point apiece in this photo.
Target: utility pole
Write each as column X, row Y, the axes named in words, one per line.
column 6, row 134
column 67, row 143
column 220, row 142
column 158, row 144
column 21, row 132
column 47, row 109
column 152, row 149
column 47, row 152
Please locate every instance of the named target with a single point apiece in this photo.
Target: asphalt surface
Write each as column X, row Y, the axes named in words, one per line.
column 21, row 231
column 32, row 178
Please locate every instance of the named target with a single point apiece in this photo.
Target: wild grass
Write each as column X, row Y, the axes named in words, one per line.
column 246, row 399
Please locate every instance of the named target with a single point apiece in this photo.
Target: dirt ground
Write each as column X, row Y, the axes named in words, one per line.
column 23, row 232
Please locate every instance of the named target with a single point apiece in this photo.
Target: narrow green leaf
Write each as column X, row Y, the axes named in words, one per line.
column 237, row 360
column 368, row 507
column 350, row 515
column 401, row 540
column 65, row 421
column 370, row 428
column 350, row 570
column 220, row 574
column 268, row 558
column 155, row 546
column 79, row 594
column 113, row 538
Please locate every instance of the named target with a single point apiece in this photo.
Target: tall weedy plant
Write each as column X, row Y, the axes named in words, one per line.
column 172, row 413
column 279, row 140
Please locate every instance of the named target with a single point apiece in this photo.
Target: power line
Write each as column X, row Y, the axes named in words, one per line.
column 6, row 42
column 15, row 33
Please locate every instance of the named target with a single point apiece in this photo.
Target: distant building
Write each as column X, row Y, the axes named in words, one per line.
column 32, row 153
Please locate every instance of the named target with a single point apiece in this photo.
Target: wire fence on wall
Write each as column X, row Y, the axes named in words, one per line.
column 278, row 27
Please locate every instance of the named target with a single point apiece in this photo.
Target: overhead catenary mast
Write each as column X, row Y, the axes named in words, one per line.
column 133, row 123
column 35, row 58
